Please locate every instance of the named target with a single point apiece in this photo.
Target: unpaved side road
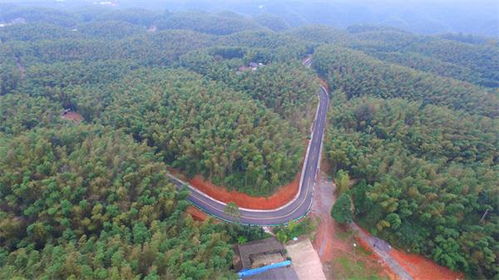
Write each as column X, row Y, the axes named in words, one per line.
column 321, row 208
column 382, row 249
column 326, row 245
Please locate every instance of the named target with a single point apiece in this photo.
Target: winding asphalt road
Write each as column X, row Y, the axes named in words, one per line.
column 296, row 208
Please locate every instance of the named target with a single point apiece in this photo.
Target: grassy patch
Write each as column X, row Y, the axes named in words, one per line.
column 355, row 263
column 295, row 229
column 347, row 268
column 344, row 235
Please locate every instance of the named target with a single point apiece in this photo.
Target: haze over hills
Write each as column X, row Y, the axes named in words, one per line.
column 421, row 16
column 98, row 103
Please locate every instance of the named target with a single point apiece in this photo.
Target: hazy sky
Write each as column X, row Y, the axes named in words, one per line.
column 423, row 16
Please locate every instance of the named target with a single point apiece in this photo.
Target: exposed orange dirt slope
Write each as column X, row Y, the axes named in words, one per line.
column 283, row 195
column 196, row 214
column 421, row 268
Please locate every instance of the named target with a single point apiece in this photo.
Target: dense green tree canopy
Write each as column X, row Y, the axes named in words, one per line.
column 203, row 127
column 84, row 202
column 428, row 177
column 92, row 200
column 413, row 123
column 342, row 209
column 357, row 74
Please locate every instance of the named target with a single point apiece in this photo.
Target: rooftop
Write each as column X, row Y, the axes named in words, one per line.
column 250, row 251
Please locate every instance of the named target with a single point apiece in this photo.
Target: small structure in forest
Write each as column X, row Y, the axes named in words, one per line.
column 67, row 114
column 18, row 20
column 264, row 259
column 252, row 66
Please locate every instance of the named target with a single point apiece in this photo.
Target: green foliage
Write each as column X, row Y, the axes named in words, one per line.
column 232, row 210
column 428, row 174
column 93, row 202
column 90, row 203
column 356, row 269
column 239, row 232
column 137, row 16
column 358, row 74
column 294, row 229
column 39, row 15
column 480, row 59
column 10, row 77
column 320, row 34
column 110, row 29
column 288, row 89
column 282, row 47
column 19, row 113
column 203, row 127
column 342, row 209
column 438, row 55
column 36, row 32
column 206, row 23
column 274, row 23
column 342, row 181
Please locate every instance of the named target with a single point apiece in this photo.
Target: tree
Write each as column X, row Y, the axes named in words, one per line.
column 342, row 209
column 98, row 205
column 342, row 181
column 232, row 209
column 412, row 163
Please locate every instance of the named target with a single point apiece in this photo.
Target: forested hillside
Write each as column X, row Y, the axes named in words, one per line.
column 247, row 147
column 358, row 74
column 427, row 175
column 415, row 124
column 202, row 127
column 91, row 199
column 88, row 202
column 446, row 56
column 222, row 95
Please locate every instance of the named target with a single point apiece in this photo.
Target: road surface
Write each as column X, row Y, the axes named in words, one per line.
column 296, row 208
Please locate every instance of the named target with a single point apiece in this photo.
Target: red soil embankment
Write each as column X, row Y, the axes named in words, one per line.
column 386, row 269
column 196, row 214
column 421, row 268
column 283, row 195
column 324, row 84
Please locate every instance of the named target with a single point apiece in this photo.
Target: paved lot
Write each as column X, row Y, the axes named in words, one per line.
column 305, row 260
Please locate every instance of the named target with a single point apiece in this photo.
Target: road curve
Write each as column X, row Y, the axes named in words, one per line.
column 294, row 209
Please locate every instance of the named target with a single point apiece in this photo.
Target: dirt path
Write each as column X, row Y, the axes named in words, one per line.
column 327, row 244
column 333, row 242
column 321, row 208
column 382, row 250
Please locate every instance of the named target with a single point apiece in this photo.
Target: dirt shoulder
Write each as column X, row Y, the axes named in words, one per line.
column 334, row 243
column 351, row 252
column 421, row 268
column 281, row 197
column 196, row 214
